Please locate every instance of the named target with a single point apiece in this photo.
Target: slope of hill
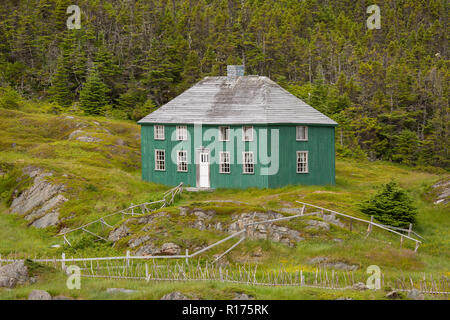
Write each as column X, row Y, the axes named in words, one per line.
column 79, row 168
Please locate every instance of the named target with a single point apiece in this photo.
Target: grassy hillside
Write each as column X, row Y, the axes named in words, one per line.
column 103, row 176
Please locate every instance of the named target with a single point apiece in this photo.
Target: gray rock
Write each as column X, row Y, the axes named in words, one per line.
column 39, row 295
column 81, row 135
column 119, row 233
column 242, row 296
column 316, row 224
column 343, row 298
column 133, row 243
column 48, row 220
column 183, row 211
column 48, row 205
column 175, row 296
column 359, row 286
column 415, row 294
column 338, row 265
column 170, row 249
column 37, row 195
column 121, row 142
column 13, row 274
column 147, row 250
column 120, row 290
column 393, row 295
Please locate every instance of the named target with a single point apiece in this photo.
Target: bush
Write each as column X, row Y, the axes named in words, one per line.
column 391, row 205
column 9, row 98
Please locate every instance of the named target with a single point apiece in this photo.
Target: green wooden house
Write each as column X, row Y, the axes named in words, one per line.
column 237, row 131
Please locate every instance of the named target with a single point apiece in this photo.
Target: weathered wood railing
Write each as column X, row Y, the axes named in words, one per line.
column 145, row 208
column 370, row 224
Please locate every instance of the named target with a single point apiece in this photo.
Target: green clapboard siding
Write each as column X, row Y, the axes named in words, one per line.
column 320, row 147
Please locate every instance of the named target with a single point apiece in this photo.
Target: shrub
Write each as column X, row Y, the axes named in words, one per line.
column 391, row 205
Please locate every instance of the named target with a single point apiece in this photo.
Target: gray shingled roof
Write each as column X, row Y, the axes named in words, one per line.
column 245, row 99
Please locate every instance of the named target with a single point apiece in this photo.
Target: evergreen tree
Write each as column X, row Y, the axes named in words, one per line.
column 59, row 91
column 94, row 94
column 391, row 205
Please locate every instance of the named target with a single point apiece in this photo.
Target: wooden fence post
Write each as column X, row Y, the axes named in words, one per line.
column 63, row 261
column 351, row 224
column 146, row 272
column 401, row 241
column 409, row 230
column 187, row 256
column 369, row 229
column 127, row 260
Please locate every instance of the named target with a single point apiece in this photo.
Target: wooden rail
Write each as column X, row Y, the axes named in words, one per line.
column 370, row 224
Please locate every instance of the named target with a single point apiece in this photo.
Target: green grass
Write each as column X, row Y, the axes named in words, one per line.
column 103, row 177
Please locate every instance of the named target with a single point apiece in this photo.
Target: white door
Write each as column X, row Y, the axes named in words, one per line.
column 204, row 170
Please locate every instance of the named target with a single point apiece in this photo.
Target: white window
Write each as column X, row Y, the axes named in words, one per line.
column 224, row 133
column 181, row 132
column 302, row 133
column 247, row 133
column 302, row 161
column 182, row 161
column 248, row 163
column 159, row 132
column 160, row 160
column 224, row 166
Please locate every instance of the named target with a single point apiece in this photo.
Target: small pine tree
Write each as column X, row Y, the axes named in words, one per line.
column 391, row 205
column 94, row 95
column 59, row 91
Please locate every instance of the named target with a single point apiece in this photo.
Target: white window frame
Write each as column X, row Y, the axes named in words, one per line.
column 221, row 138
column 159, row 134
column 159, row 161
column 182, row 163
column 306, row 161
column 223, row 164
column 244, row 163
column 297, row 128
column 244, row 129
column 181, row 133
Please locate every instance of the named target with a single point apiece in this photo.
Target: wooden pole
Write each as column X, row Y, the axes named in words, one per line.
column 63, row 262
column 369, row 229
column 409, row 230
column 351, row 225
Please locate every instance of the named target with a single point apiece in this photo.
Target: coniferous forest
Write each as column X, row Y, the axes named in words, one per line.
column 387, row 88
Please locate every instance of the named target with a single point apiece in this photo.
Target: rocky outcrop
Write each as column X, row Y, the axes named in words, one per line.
column 41, row 201
column 119, row 233
column 359, row 286
column 242, row 296
column 175, row 296
column 13, row 274
column 39, row 295
column 442, row 192
column 328, row 263
column 81, row 135
column 167, row 249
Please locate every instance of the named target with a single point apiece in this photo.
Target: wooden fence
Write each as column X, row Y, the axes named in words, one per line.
column 133, row 210
column 370, row 224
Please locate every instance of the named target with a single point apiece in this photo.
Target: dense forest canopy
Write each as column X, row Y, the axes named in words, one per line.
column 388, row 88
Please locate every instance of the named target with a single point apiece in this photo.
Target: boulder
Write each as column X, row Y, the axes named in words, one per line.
column 133, row 243
column 48, row 220
column 359, row 286
column 316, row 224
column 170, row 249
column 13, row 274
column 119, row 233
column 39, row 295
column 415, row 294
column 175, row 296
column 37, row 195
column 393, row 295
column 242, row 296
